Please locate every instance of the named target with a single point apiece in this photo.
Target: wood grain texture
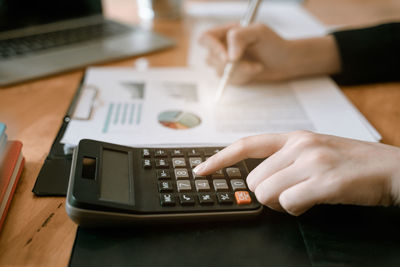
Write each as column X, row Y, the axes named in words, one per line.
column 37, row 231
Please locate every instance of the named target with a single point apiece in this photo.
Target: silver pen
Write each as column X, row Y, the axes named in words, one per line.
column 247, row 19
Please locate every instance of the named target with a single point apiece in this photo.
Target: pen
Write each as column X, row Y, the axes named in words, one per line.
column 247, row 19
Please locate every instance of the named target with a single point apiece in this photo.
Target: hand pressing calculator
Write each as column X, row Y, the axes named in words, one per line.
column 112, row 185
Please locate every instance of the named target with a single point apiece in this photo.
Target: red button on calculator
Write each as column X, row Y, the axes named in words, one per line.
column 242, row 197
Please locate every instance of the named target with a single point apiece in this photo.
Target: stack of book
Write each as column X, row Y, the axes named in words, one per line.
column 11, row 165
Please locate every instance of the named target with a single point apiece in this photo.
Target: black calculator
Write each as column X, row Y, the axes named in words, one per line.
column 112, row 185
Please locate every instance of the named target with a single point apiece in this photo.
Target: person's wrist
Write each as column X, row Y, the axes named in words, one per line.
column 313, row 56
column 395, row 179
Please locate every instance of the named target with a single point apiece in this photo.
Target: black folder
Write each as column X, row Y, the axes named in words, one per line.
column 54, row 175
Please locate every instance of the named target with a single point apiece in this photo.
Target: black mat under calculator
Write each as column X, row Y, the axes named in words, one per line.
column 272, row 240
column 325, row 236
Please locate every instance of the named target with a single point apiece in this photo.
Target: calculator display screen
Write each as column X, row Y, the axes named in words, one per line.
column 114, row 185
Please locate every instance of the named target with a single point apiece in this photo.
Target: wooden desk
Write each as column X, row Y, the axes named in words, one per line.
column 37, row 231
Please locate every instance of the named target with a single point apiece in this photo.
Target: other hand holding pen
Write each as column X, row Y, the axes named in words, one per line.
column 264, row 56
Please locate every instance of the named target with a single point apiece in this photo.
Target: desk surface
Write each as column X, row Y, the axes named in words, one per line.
column 37, row 230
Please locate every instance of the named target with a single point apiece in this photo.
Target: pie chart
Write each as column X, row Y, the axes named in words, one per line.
column 178, row 120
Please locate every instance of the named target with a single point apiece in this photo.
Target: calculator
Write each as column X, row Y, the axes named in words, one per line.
column 113, row 185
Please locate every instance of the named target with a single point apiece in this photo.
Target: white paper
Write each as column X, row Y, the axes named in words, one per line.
column 140, row 107
column 83, row 107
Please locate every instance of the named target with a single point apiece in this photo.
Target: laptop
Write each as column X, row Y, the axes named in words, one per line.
column 45, row 37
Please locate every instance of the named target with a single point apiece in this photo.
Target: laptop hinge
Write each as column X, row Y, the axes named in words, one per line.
column 51, row 27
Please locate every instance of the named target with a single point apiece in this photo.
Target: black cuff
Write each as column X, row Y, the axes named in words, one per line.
column 369, row 55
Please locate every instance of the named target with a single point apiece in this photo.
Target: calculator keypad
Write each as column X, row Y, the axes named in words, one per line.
column 161, row 163
column 233, row 173
column 206, row 199
column 177, row 153
column 186, row 199
column 160, row 153
column 192, row 152
column 165, row 186
column 194, row 162
column 225, row 198
column 183, row 185
column 147, row 163
column 197, row 176
column 178, row 162
column 167, row 200
column 163, row 174
column 220, row 185
column 242, row 197
column 217, row 175
column 178, row 185
column 146, row 153
column 181, row 174
column 238, row 184
column 202, row 185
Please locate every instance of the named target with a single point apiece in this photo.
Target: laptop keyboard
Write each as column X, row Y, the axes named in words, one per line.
column 34, row 43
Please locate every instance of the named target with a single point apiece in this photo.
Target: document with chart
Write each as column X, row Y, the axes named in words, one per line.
column 175, row 106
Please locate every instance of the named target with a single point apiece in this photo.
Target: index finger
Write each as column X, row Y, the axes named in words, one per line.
column 258, row 146
column 215, row 38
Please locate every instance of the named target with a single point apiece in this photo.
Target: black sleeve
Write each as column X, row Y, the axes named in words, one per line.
column 369, row 55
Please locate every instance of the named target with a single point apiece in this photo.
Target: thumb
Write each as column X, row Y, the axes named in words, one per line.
column 245, row 71
column 250, row 67
column 239, row 38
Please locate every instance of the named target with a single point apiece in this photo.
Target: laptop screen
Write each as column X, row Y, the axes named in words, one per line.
column 16, row 14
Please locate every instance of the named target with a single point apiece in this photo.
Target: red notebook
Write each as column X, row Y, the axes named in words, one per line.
column 11, row 165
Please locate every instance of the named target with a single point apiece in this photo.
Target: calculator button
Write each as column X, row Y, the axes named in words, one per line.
column 186, row 199
column 181, row 174
column 220, row 185
column 146, row 153
column 202, row 185
column 167, row 200
column 183, row 185
column 162, row 163
column 242, row 197
column 225, row 198
column 233, row 173
column 178, row 162
column 165, row 186
column 197, row 176
column 160, row 153
column 211, row 151
column 218, row 174
column 206, row 199
column 177, row 153
column 194, row 152
column 194, row 162
column 238, row 184
column 163, row 174
column 147, row 163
